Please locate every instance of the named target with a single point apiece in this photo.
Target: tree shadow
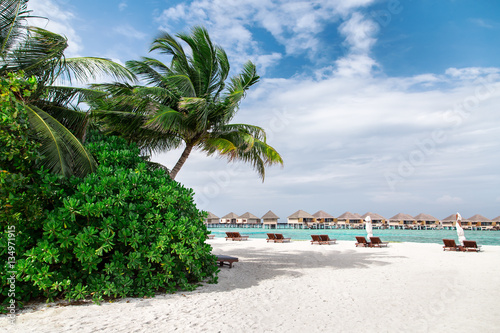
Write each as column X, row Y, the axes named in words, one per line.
column 257, row 264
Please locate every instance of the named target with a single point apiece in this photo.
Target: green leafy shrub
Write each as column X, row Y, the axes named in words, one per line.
column 125, row 230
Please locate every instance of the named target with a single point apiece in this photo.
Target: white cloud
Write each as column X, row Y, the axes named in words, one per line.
column 60, row 22
column 130, row 32
column 293, row 24
column 122, row 5
column 448, row 199
column 482, row 23
column 340, row 138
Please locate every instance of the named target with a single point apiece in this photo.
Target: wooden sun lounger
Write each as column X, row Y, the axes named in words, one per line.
column 471, row 246
column 450, row 245
column 271, row 238
column 362, row 242
column 327, row 240
column 316, row 239
column 281, row 239
column 235, row 236
column 226, row 260
column 376, row 242
column 210, row 236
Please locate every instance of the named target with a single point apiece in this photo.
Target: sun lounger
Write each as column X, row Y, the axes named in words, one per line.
column 226, row 260
column 316, row 240
column 235, row 236
column 362, row 242
column 471, row 246
column 271, row 238
column 281, row 239
column 376, row 242
column 450, row 245
column 210, row 236
column 326, row 239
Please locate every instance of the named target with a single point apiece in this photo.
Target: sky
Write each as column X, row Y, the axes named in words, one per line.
column 375, row 106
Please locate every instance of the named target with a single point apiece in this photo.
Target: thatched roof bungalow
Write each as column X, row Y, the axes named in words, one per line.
column 427, row 220
column 323, row 217
column 300, row 218
column 212, row 219
column 349, row 218
column 401, row 220
column 270, row 219
column 376, row 218
column 451, row 220
column 481, row 221
column 248, row 218
column 229, row 218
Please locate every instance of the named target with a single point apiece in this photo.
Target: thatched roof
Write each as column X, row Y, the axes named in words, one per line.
column 230, row 216
column 478, row 218
column 212, row 216
column 300, row 214
column 425, row 217
column 373, row 216
column 402, row 217
column 496, row 219
column 452, row 217
column 322, row 215
column 349, row 216
column 248, row 215
column 270, row 215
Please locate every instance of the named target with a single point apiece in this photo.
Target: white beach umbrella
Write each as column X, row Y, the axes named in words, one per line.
column 460, row 231
column 369, row 227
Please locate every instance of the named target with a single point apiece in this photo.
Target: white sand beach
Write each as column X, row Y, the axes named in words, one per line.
column 299, row 287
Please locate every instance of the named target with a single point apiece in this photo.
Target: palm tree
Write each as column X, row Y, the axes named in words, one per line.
column 187, row 104
column 53, row 110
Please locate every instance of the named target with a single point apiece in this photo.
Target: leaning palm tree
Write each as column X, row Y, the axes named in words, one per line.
column 53, row 110
column 187, row 104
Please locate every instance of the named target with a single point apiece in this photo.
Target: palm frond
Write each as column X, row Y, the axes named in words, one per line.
column 63, row 152
column 13, row 15
column 85, row 69
column 40, row 55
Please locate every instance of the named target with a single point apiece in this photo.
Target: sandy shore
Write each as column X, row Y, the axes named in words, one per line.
column 298, row 287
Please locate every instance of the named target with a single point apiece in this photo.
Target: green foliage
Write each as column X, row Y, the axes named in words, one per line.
column 124, row 230
column 18, row 150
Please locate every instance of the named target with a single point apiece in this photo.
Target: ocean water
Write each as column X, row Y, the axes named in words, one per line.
column 386, row 235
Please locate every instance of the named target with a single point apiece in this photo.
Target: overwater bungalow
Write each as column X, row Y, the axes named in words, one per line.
column 402, row 221
column 378, row 221
column 324, row 219
column 349, row 220
column 427, row 221
column 481, row 222
column 449, row 222
column 270, row 220
column 230, row 218
column 496, row 222
column 248, row 219
column 300, row 219
column 212, row 219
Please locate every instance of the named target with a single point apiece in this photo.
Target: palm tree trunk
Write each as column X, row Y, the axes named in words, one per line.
column 181, row 160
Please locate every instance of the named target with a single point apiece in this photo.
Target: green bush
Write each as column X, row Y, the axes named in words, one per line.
column 125, row 230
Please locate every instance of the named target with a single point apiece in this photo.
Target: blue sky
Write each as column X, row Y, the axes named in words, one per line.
column 382, row 106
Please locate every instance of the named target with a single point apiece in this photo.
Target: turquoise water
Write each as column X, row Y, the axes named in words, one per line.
column 390, row 235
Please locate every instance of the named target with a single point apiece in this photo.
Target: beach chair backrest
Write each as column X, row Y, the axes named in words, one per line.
column 279, row 236
column 271, row 236
column 449, row 243
column 375, row 240
column 324, row 237
column 361, row 240
column 470, row 243
column 316, row 238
